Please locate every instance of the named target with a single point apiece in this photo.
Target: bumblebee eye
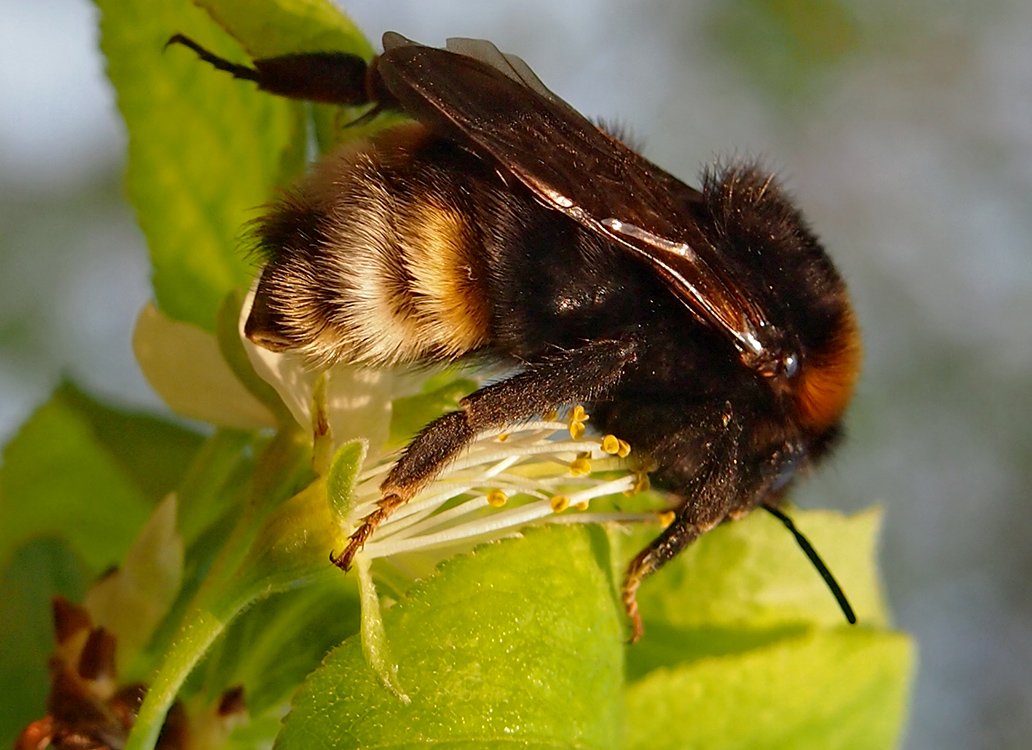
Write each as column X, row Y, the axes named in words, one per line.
column 790, row 365
column 774, row 367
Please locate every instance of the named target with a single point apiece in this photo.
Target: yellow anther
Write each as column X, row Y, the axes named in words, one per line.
column 614, row 446
column 580, row 466
column 577, row 419
column 582, row 505
column 497, row 498
column 666, row 518
column 551, row 416
column 559, row 503
column 502, row 437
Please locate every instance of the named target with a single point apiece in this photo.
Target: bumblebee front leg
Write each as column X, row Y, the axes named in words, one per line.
column 709, row 497
column 571, row 376
column 675, row 537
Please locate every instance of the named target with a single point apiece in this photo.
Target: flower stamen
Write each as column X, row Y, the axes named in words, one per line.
column 505, row 481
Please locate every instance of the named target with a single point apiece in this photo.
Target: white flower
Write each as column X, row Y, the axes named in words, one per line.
column 547, row 471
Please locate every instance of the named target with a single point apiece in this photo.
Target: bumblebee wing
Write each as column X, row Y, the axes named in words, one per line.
column 510, row 65
column 492, row 101
column 500, row 110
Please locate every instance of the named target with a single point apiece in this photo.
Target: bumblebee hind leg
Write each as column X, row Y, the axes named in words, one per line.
column 330, row 77
column 568, row 376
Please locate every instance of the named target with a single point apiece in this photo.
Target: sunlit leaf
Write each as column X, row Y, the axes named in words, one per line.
column 747, row 583
column 841, row 689
column 205, row 150
column 520, row 642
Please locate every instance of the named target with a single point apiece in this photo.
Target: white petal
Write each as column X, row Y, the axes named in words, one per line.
column 183, row 365
column 358, row 399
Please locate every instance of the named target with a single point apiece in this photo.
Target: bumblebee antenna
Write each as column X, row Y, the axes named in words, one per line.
column 815, row 559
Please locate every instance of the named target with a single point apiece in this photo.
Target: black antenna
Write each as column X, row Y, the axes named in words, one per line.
column 811, row 554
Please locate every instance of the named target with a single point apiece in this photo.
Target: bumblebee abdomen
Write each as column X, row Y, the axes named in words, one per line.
column 371, row 261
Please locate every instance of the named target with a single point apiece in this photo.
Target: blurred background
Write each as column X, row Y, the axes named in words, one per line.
column 904, row 130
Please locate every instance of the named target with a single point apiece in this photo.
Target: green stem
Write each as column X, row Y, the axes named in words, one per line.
column 204, row 485
column 198, row 633
column 229, row 587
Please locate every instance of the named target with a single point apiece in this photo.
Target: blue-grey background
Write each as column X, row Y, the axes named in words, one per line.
column 905, row 130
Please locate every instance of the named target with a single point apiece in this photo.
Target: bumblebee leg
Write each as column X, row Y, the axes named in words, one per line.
column 664, row 548
column 330, row 77
column 709, row 498
column 571, row 376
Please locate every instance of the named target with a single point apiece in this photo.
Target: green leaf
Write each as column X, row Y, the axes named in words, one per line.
column 411, row 413
column 743, row 636
column 205, row 150
column 278, row 27
column 518, row 643
column 88, row 473
column 36, row 573
column 842, row 689
column 751, row 574
column 747, row 584
column 150, row 449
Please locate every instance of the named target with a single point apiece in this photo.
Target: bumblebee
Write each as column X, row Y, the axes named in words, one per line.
column 707, row 327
